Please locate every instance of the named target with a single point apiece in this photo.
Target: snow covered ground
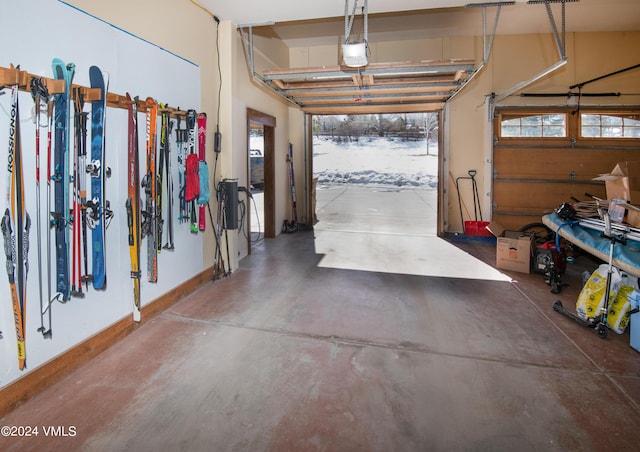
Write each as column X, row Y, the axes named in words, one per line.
column 374, row 161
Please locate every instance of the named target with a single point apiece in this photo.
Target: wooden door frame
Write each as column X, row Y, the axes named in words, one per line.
column 268, row 123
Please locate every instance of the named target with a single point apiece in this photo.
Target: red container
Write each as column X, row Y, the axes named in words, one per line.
column 478, row 228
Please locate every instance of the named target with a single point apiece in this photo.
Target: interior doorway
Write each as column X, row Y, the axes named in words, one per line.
column 264, row 222
column 256, row 181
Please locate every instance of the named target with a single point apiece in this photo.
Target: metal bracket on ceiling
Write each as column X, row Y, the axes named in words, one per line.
column 348, row 20
column 247, row 42
column 560, row 44
column 488, row 40
column 247, row 45
column 561, row 40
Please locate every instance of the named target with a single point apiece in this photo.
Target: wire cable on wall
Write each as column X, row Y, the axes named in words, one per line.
column 216, row 148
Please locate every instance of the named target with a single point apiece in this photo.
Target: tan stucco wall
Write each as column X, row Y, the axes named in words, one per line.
column 248, row 94
column 518, row 58
column 193, row 36
column 513, row 59
column 467, row 139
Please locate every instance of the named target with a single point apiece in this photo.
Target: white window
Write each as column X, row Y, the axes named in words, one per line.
column 534, row 126
column 594, row 125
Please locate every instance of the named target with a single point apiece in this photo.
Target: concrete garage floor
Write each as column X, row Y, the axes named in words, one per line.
column 291, row 354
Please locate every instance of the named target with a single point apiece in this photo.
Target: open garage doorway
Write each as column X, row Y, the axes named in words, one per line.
column 357, row 158
column 377, row 179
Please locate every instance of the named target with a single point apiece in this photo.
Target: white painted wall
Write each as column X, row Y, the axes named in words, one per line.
column 132, row 65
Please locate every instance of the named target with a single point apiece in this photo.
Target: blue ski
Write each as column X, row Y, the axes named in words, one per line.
column 97, row 208
column 60, row 177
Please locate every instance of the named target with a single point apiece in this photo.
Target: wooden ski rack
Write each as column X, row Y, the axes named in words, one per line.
column 15, row 76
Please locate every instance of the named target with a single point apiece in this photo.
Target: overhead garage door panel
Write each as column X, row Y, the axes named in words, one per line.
column 581, row 164
column 533, row 175
column 540, row 197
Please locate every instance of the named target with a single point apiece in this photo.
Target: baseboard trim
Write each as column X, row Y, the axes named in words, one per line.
column 49, row 373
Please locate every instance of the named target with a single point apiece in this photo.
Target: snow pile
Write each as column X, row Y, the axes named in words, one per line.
column 377, row 162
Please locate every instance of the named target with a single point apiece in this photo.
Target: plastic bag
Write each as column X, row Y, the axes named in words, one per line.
column 591, row 298
column 620, row 309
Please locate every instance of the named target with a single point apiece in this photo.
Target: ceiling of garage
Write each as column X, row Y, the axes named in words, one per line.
column 309, row 22
column 387, row 87
column 251, row 11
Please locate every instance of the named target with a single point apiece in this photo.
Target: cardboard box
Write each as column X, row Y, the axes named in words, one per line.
column 623, row 182
column 513, row 249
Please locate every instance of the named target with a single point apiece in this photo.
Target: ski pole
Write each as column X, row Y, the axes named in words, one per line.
column 169, row 245
column 39, row 93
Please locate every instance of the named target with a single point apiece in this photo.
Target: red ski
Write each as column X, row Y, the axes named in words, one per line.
column 202, row 137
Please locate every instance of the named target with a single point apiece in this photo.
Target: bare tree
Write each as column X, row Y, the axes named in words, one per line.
column 431, row 128
column 415, row 126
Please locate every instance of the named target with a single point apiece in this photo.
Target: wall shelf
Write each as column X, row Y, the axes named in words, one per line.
column 15, row 76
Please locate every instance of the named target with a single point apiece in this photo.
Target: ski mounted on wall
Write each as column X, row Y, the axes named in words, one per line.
column 164, row 142
column 60, row 177
column 98, row 211
column 78, row 231
column 203, row 175
column 15, row 226
column 192, row 187
column 166, row 152
column 150, row 185
column 58, row 296
column 133, row 204
column 181, row 141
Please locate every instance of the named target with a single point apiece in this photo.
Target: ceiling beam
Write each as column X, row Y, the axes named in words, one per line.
column 396, row 69
column 372, row 92
column 365, row 99
column 374, row 109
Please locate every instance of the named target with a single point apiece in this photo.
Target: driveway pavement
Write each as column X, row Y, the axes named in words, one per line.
column 391, row 231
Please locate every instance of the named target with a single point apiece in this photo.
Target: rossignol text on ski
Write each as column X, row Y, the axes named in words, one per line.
column 15, row 225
